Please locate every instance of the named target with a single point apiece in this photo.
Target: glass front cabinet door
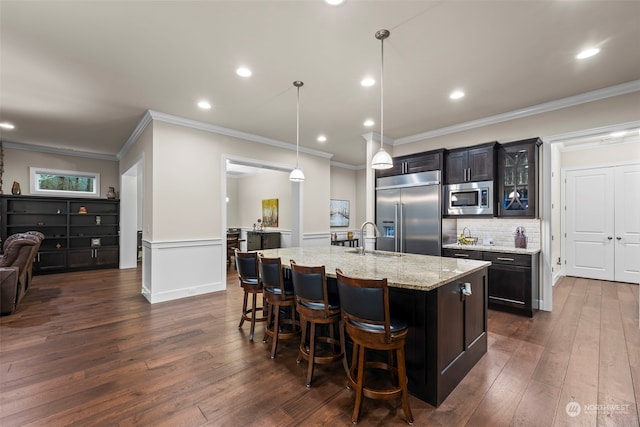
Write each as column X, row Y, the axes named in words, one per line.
column 518, row 178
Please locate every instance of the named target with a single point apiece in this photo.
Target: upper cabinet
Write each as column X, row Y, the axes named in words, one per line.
column 471, row 164
column 518, row 178
column 413, row 163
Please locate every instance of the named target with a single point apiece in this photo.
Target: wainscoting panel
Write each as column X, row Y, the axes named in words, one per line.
column 179, row 269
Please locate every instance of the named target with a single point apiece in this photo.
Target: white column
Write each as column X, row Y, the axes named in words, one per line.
column 372, row 141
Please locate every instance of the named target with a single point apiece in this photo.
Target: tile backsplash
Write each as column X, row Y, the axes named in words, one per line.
column 501, row 230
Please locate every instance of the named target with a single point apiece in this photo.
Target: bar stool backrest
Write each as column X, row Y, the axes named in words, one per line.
column 365, row 303
column 271, row 274
column 310, row 285
column 247, row 265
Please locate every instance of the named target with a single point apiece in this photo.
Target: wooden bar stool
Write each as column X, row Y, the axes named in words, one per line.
column 315, row 307
column 366, row 318
column 278, row 292
column 247, row 267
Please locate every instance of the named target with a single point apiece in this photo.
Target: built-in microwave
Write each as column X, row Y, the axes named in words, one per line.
column 470, row 198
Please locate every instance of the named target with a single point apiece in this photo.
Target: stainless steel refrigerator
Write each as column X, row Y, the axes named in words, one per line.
column 408, row 213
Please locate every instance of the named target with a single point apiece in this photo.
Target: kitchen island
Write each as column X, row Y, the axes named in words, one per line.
column 447, row 329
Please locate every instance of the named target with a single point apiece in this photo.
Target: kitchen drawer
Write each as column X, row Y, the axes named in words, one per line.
column 462, row 253
column 521, row 260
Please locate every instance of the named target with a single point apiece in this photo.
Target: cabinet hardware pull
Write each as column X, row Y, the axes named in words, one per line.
column 618, row 238
column 505, row 259
column 609, row 237
column 462, row 255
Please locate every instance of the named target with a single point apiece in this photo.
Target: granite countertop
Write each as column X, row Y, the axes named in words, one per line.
column 483, row 248
column 408, row 271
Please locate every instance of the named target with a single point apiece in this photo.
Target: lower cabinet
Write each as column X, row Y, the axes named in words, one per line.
column 514, row 283
column 49, row 262
column 259, row 240
column 94, row 257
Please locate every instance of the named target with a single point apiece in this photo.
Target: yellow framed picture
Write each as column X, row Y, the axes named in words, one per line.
column 270, row 212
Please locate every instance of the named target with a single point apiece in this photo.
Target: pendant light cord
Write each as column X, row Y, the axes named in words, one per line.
column 382, row 94
column 297, row 126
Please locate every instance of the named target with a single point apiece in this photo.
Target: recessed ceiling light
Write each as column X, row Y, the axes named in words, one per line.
column 6, row 125
column 334, row 2
column 322, row 138
column 205, row 105
column 587, row 53
column 243, row 72
column 456, row 94
column 368, row 81
column 369, row 123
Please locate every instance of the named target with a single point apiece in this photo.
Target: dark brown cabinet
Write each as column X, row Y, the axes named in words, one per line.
column 80, row 233
column 470, row 164
column 98, row 257
column 414, row 163
column 258, row 240
column 514, row 283
column 462, row 253
column 518, row 178
column 447, row 334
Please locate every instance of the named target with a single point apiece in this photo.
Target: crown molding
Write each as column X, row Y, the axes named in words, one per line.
column 375, row 136
column 571, row 101
column 142, row 125
column 59, row 151
column 345, row 166
column 593, row 132
column 603, row 135
column 151, row 115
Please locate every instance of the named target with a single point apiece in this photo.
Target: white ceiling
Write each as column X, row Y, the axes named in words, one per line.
column 80, row 75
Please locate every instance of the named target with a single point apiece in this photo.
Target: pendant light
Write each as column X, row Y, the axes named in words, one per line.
column 382, row 159
column 296, row 175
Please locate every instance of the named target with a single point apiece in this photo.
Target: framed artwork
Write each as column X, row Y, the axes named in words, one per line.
column 270, row 212
column 339, row 213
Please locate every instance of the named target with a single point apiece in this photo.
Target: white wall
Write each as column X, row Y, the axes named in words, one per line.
column 17, row 163
column 188, row 180
column 344, row 187
column 233, row 207
column 252, row 189
column 603, row 155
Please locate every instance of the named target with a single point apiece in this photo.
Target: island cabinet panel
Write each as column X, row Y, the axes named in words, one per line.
column 447, row 334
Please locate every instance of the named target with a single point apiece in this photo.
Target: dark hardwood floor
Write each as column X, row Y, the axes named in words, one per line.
column 87, row 349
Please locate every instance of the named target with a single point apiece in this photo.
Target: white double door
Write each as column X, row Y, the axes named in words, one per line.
column 602, row 223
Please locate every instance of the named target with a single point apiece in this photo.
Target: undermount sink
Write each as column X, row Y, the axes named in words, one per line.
column 374, row 253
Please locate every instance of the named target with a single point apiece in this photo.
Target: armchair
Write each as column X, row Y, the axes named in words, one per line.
column 19, row 252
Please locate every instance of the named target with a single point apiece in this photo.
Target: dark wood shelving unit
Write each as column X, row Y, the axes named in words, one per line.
column 73, row 240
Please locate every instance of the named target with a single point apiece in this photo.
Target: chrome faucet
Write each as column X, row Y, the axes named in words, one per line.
column 376, row 234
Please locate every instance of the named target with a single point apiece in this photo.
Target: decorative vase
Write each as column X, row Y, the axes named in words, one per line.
column 111, row 194
column 15, row 188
